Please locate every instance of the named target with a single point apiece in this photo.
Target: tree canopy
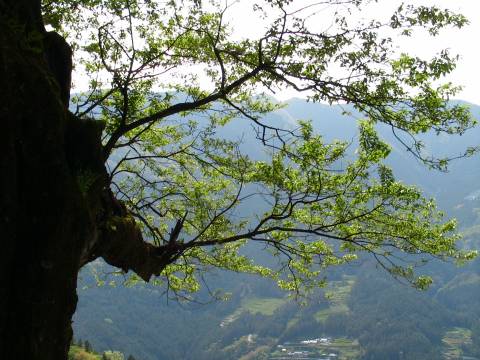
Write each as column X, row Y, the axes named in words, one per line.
column 166, row 76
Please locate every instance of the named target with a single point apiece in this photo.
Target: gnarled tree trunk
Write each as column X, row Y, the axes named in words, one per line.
column 45, row 220
column 57, row 212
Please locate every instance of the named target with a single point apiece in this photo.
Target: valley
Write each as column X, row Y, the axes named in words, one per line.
column 363, row 312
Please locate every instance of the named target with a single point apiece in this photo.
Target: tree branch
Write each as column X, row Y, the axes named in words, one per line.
column 180, row 107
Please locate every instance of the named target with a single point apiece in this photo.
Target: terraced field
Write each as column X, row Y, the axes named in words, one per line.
column 254, row 305
column 337, row 295
column 454, row 342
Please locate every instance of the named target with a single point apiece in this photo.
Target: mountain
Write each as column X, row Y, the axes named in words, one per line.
column 363, row 314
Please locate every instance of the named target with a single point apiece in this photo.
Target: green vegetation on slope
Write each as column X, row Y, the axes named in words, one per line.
column 84, row 351
column 456, row 341
column 338, row 294
column 386, row 318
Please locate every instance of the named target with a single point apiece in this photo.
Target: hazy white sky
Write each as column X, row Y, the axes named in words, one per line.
column 463, row 42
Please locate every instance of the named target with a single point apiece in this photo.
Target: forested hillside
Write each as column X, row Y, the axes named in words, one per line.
column 144, row 159
column 361, row 314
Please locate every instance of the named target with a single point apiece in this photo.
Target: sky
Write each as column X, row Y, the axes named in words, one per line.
column 463, row 42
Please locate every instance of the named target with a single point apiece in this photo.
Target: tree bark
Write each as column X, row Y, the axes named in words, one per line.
column 44, row 220
column 57, row 211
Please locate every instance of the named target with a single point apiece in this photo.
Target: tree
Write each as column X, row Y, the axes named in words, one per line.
column 140, row 178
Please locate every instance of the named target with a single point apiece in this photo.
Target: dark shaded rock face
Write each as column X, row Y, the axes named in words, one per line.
column 56, row 206
column 45, row 220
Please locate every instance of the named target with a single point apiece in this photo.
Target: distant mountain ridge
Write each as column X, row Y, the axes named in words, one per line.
column 379, row 317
